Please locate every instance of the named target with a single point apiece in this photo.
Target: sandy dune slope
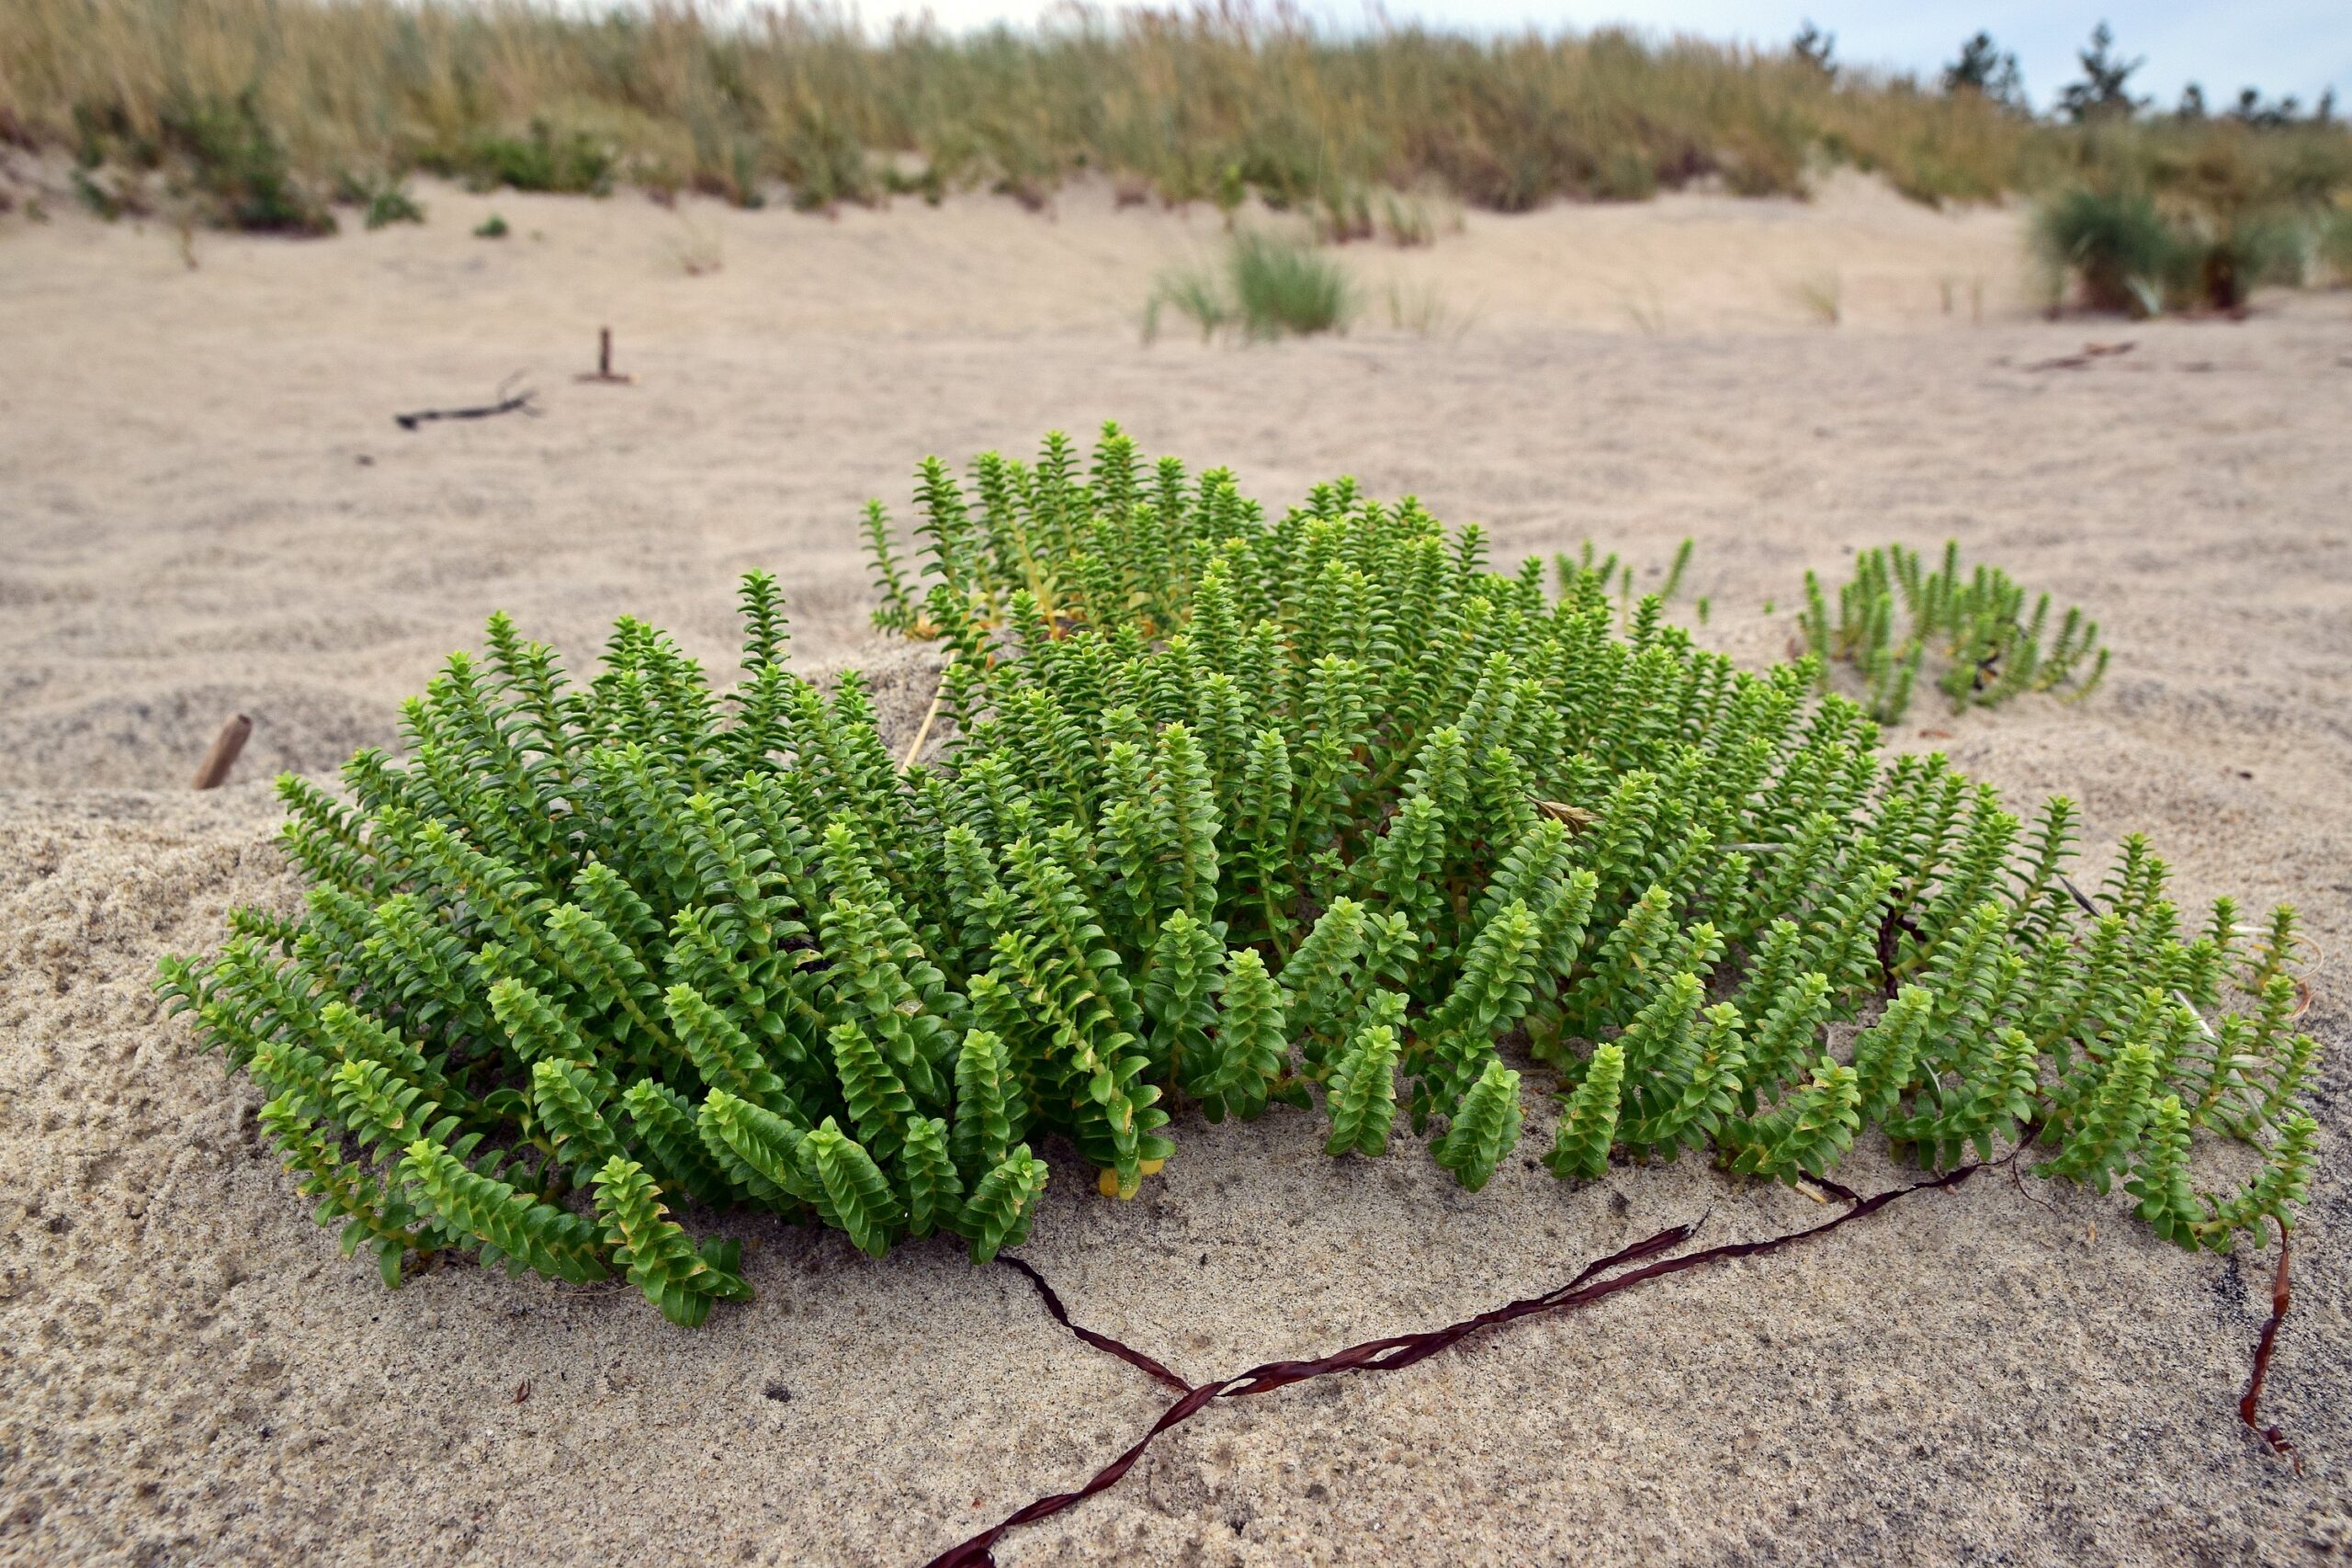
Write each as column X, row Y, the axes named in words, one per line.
column 205, row 507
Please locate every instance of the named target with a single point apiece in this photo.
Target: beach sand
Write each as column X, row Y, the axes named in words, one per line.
column 205, row 508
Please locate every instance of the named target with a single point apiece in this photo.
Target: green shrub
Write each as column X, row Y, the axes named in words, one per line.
column 102, row 200
column 1234, row 811
column 2239, row 253
column 2117, row 246
column 825, row 164
column 2332, row 244
column 241, row 165
column 492, row 228
column 2129, row 256
column 393, row 204
column 541, row 160
column 1626, row 175
column 1895, row 612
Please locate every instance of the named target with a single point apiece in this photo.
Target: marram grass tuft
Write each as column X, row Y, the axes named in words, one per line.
column 1236, row 812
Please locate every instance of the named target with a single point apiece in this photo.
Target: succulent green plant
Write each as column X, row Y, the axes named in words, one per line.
column 1234, row 812
column 1895, row 612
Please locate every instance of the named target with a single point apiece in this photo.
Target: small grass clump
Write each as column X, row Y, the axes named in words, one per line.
column 2119, row 249
column 1408, row 220
column 1422, row 310
column 1895, row 612
column 1823, row 295
column 2127, row 253
column 241, row 166
column 1588, row 573
column 1282, row 287
column 383, row 203
column 2235, row 253
column 2332, row 245
column 1233, row 812
column 492, row 228
column 1195, row 293
column 541, row 159
column 1269, row 288
column 697, row 251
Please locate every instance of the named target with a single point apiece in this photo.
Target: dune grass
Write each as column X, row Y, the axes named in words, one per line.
column 1265, row 287
column 1282, row 287
column 2332, row 247
column 2126, row 252
column 1823, row 295
column 271, row 100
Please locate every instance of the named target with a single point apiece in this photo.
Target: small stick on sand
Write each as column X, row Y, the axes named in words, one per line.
column 2249, row 1407
column 213, row 772
column 518, row 402
column 603, row 371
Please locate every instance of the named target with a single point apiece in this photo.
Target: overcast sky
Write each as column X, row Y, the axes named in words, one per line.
column 2281, row 46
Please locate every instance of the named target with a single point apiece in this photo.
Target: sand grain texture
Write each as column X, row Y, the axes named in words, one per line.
column 205, row 508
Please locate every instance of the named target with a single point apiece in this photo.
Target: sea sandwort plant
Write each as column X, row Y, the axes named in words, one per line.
column 1895, row 612
column 1610, row 576
column 1234, row 811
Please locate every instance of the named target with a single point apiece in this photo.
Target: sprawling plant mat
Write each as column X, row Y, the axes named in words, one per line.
column 1317, row 811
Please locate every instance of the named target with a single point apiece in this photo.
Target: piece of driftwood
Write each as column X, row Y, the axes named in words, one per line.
column 603, row 371
column 2076, row 361
column 213, row 772
column 2250, row 1407
column 1399, row 1351
column 507, row 401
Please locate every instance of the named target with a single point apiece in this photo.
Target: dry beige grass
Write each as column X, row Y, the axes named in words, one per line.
column 204, row 507
column 1206, row 103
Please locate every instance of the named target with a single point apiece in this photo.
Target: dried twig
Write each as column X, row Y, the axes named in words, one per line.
column 508, row 403
column 2082, row 899
column 1100, row 1341
column 2078, row 361
column 1399, row 1351
column 213, row 772
column 2281, row 1298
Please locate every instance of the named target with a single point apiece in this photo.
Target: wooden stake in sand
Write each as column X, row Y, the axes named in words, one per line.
column 603, row 371
column 213, row 772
